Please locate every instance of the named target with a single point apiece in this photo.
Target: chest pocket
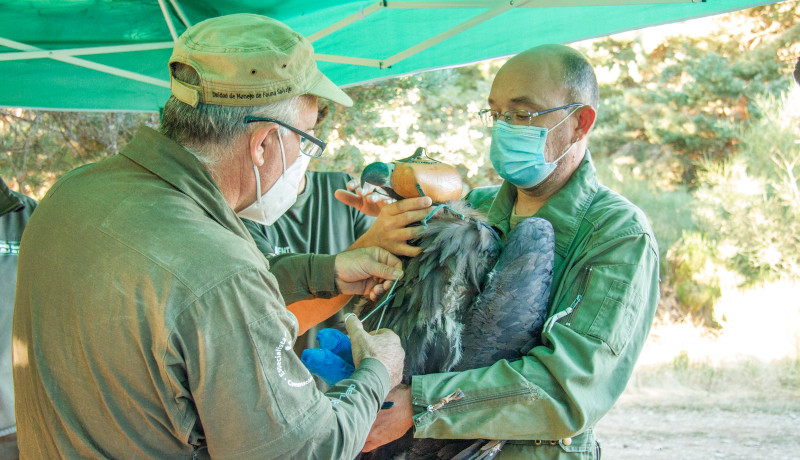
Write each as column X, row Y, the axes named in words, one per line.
column 608, row 314
column 292, row 386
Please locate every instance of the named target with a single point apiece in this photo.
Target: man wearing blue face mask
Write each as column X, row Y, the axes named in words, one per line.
column 605, row 287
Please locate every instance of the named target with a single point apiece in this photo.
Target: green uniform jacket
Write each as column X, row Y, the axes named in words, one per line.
column 317, row 223
column 603, row 299
column 148, row 325
column 15, row 210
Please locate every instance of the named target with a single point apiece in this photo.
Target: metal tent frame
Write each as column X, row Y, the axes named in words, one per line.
column 409, row 49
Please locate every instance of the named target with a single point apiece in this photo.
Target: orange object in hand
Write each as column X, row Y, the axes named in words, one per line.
column 417, row 175
column 311, row 312
column 440, row 181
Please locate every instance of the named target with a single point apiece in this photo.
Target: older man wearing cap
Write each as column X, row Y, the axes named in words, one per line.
column 147, row 323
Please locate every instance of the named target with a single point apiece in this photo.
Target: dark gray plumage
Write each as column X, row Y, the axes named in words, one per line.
column 462, row 307
column 505, row 321
column 427, row 310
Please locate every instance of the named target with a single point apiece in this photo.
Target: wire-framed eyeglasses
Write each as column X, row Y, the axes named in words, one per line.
column 309, row 145
column 518, row 117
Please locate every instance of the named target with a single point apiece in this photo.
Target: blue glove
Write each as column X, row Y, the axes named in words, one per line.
column 333, row 361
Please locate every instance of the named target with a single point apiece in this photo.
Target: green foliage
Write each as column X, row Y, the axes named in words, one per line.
column 681, row 361
column 436, row 110
column 691, row 129
column 691, row 273
column 692, row 94
column 669, row 207
column 37, row 147
column 750, row 205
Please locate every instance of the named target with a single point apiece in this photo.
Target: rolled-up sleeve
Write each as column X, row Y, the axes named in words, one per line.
column 301, row 276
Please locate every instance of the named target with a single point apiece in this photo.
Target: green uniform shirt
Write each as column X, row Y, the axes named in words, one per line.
column 15, row 210
column 317, row 223
column 603, row 299
column 148, row 325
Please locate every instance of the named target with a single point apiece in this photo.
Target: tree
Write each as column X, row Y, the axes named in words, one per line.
column 37, row 147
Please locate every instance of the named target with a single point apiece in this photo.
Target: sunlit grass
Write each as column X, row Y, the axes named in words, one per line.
column 754, row 356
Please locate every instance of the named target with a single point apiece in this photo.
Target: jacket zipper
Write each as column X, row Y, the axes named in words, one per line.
column 451, row 401
column 548, row 325
column 578, row 299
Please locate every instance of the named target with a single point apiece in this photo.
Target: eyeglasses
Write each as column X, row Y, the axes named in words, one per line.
column 309, row 145
column 517, row 117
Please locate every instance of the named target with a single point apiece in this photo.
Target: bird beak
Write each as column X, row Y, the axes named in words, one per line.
column 378, row 174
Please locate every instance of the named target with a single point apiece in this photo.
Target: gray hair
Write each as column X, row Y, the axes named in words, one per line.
column 208, row 131
column 580, row 79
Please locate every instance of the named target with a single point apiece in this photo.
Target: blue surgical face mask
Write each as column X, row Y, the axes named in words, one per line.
column 517, row 153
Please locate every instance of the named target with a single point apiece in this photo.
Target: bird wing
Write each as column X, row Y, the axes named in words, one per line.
column 505, row 321
column 429, row 302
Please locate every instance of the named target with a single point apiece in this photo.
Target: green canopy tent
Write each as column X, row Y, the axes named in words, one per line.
column 111, row 55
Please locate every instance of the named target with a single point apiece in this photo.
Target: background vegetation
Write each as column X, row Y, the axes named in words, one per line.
column 701, row 131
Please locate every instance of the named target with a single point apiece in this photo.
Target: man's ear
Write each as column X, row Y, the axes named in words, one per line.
column 586, row 117
column 261, row 141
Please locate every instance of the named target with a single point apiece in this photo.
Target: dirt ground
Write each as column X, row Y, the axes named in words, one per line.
column 658, row 425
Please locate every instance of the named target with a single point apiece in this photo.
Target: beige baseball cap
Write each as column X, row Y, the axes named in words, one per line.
column 246, row 60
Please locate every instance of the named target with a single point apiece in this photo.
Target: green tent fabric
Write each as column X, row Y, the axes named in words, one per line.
column 112, row 55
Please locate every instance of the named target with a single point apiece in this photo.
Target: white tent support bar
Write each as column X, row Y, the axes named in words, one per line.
column 168, row 20
column 502, row 8
column 89, row 65
column 533, row 4
column 496, row 7
column 349, row 60
column 568, row 3
column 180, row 13
column 346, row 22
column 24, row 55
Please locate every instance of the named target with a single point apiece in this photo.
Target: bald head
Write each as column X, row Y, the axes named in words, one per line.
column 566, row 67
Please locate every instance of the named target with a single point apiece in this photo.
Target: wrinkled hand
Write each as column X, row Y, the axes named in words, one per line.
column 391, row 231
column 366, row 271
column 392, row 423
column 383, row 345
column 366, row 199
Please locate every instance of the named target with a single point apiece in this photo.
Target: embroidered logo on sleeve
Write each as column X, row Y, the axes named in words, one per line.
column 9, row 247
column 350, row 390
column 285, row 346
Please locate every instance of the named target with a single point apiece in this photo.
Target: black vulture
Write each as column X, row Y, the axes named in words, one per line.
column 465, row 302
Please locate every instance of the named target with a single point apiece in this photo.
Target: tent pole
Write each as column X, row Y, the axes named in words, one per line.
column 532, row 4
column 505, row 6
column 349, row 60
column 89, row 64
column 180, row 13
column 497, row 7
column 364, row 12
column 25, row 55
column 168, row 20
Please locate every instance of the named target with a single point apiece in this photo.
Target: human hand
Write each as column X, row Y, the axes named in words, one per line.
column 333, row 360
column 392, row 423
column 366, row 271
column 366, row 199
column 383, row 345
column 391, row 231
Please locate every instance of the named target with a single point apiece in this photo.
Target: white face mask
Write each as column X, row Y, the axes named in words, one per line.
column 281, row 196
